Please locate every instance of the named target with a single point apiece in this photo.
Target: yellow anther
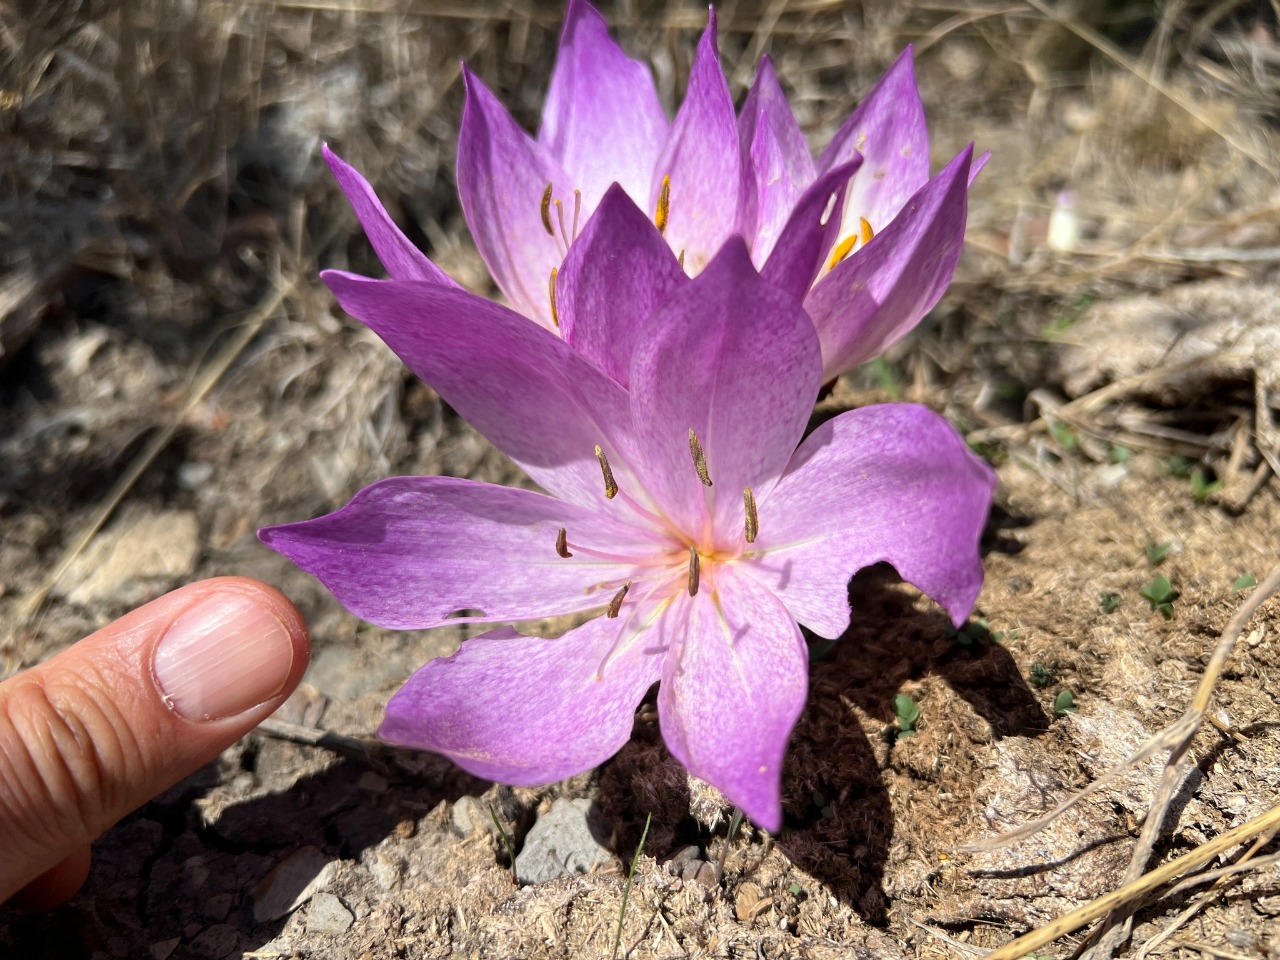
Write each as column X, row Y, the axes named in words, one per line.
column 610, row 485
column 664, row 205
column 753, row 518
column 562, row 543
column 616, row 603
column 699, row 458
column 864, row 227
column 695, row 571
column 551, row 291
column 546, row 211
column 841, row 251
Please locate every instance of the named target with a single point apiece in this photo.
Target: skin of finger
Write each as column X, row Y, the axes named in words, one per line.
column 57, row 884
column 86, row 737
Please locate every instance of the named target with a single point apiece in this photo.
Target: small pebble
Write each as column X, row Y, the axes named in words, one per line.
column 328, row 914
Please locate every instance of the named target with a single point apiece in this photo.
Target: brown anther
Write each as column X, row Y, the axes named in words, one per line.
column 695, row 571
column 864, row 226
column 562, row 543
column 699, row 458
column 753, row 519
column 546, row 211
column 616, row 603
column 681, row 259
column 610, row 485
column 551, row 292
column 841, row 251
column 664, row 205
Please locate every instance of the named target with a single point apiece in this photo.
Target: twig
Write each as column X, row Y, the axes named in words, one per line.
column 1176, row 738
column 339, row 743
column 1133, row 892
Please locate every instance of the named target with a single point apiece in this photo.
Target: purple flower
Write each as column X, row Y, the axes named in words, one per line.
column 679, row 509
column 868, row 271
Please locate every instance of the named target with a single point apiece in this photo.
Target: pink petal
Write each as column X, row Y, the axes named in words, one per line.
column 502, row 177
column 875, row 297
column 413, row 552
column 888, row 483
column 733, row 685
column 888, row 129
column 774, row 193
column 525, row 389
column 703, row 161
column 402, row 260
column 736, row 360
column 766, row 106
column 523, row 710
column 617, row 274
column 602, row 121
column 812, row 225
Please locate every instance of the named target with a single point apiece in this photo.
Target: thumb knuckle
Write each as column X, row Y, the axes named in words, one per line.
column 65, row 753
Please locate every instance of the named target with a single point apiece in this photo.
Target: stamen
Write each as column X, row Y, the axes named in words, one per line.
column 827, row 210
column 610, row 485
column 616, row 603
column 562, row 543
column 551, row 290
column 699, row 458
column 577, row 209
column 564, row 234
column 867, row 232
column 681, row 259
column 546, row 211
column 842, row 250
column 695, row 571
column 753, row 519
column 664, row 205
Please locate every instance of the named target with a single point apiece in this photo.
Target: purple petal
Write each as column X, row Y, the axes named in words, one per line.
column 811, row 229
column 736, row 360
column 402, row 260
column 525, row 389
column 412, row 552
column 888, row 129
column 614, row 278
column 771, row 194
column 502, row 178
column 766, row 106
column 523, row 710
column 602, row 120
column 875, row 297
column 733, row 685
column 703, row 161
column 888, row 483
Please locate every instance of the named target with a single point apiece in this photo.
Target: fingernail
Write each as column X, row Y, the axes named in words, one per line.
column 222, row 657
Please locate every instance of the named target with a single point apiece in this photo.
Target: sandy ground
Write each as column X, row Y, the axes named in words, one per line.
column 164, row 218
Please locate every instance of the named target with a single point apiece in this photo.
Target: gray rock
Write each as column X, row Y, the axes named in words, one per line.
column 561, row 843
column 470, row 815
column 291, row 884
column 139, row 548
column 328, row 915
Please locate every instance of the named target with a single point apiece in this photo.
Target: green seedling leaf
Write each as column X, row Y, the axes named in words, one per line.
column 1179, row 466
column 1041, row 676
column 1202, row 488
column 1161, row 594
column 908, row 712
column 1063, row 704
column 1064, row 435
column 1156, row 552
column 1119, row 454
column 1110, row 602
column 1244, row 582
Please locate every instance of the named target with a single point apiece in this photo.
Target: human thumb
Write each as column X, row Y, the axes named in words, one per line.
column 98, row 730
